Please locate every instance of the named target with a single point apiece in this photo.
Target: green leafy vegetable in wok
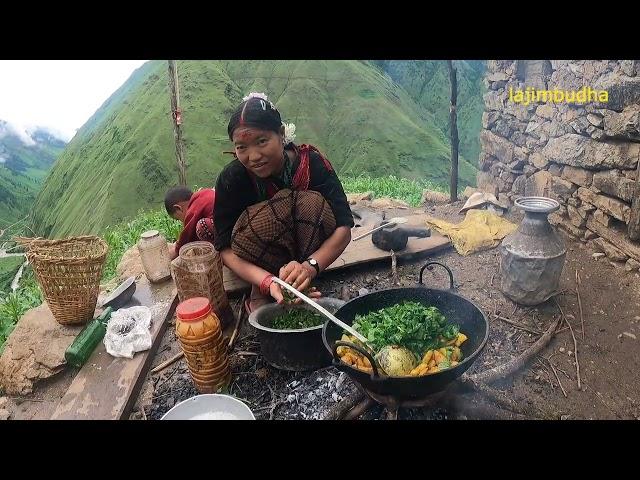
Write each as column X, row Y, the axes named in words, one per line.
column 408, row 324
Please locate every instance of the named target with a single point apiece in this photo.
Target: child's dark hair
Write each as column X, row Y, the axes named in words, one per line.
column 256, row 113
column 176, row 195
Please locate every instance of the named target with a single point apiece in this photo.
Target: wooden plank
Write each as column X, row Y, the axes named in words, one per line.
column 106, row 388
column 363, row 251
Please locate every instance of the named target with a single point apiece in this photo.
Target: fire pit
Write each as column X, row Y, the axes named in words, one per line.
column 395, row 392
column 363, row 400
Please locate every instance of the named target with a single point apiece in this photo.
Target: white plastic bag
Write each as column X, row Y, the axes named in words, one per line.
column 128, row 332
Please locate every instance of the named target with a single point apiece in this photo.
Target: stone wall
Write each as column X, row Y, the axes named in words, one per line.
column 585, row 155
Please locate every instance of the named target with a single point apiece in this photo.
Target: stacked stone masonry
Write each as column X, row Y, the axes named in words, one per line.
column 585, row 155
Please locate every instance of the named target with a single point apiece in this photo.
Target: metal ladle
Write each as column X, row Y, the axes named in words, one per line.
column 323, row 311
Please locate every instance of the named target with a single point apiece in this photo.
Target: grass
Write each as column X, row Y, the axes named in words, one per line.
column 409, row 191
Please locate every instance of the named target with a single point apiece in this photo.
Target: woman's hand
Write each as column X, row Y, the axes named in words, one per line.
column 298, row 275
column 275, row 291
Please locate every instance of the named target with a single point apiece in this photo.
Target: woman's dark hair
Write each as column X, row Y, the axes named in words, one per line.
column 255, row 113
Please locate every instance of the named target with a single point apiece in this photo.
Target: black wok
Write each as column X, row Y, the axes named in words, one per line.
column 457, row 309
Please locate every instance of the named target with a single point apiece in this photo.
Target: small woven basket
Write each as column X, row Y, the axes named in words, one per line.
column 69, row 273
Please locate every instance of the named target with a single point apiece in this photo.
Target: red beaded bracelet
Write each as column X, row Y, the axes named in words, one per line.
column 265, row 284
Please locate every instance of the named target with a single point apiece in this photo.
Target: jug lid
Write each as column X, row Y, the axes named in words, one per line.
column 150, row 234
column 537, row 204
column 193, row 308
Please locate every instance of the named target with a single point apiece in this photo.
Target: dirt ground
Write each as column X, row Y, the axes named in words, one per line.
column 608, row 356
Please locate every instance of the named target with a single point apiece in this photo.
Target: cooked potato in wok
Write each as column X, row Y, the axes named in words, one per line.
column 397, row 361
column 408, row 339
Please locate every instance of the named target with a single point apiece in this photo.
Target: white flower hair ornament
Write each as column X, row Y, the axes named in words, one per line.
column 263, row 100
column 289, row 132
column 263, row 96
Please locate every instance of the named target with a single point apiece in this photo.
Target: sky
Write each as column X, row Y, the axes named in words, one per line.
column 60, row 95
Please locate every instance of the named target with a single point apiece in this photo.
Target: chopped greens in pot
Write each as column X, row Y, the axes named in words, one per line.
column 296, row 318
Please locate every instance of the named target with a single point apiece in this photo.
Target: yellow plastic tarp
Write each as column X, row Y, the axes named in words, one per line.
column 480, row 230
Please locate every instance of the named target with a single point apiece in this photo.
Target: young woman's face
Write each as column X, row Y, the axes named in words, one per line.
column 260, row 151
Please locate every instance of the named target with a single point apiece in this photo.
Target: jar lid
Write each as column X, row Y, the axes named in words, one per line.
column 150, row 234
column 193, row 308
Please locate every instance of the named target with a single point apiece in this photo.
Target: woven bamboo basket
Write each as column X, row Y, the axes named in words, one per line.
column 69, row 273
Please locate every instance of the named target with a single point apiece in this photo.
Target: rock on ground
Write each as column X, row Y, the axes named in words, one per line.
column 130, row 264
column 34, row 350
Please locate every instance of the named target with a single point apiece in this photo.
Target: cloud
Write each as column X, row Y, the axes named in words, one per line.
column 20, row 131
column 54, row 132
column 59, row 94
column 26, row 133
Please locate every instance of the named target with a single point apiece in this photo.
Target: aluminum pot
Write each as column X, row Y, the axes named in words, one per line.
column 295, row 350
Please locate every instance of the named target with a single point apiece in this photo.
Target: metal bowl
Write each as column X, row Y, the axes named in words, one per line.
column 294, row 350
column 210, row 407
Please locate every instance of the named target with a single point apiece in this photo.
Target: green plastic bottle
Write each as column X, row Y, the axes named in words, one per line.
column 87, row 340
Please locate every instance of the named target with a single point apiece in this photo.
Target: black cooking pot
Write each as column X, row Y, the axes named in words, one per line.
column 296, row 350
column 456, row 309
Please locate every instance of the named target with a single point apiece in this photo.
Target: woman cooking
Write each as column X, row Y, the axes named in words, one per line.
column 280, row 207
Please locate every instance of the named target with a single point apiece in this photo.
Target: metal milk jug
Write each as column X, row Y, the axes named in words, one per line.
column 533, row 256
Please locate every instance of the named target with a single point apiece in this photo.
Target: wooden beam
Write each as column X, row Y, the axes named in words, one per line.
column 176, row 116
column 453, row 188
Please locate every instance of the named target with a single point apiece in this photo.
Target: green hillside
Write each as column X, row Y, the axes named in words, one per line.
column 427, row 83
column 22, row 171
column 123, row 158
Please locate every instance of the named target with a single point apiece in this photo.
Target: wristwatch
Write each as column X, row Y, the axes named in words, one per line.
column 314, row 263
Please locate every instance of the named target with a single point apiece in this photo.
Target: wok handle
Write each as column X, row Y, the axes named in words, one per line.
column 429, row 266
column 342, row 343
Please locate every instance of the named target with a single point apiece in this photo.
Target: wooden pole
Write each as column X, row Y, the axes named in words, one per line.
column 176, row 116
column 634, row 221
column 454, row 132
